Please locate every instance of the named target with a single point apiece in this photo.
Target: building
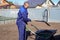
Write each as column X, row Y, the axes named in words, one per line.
column 38, row 6
column 42, row 3
column 48, row 3
column 6, row 5
column 13, row 6
column 3, row 3
column 58, row 4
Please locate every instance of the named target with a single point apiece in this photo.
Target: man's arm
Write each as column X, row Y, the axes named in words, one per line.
column 25, row 17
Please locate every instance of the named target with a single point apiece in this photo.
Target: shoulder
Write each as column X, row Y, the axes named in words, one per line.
column 22, row 9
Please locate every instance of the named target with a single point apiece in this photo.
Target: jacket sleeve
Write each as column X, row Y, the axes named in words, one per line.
column 25, row 17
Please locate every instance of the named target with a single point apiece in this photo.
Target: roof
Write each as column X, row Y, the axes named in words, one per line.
column 34, row 3
column 52, row 2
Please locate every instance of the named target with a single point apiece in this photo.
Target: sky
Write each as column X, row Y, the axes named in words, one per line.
column 55, row 1
column 20, row 2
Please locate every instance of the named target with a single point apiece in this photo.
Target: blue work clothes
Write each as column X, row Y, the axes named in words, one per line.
column 21, row 22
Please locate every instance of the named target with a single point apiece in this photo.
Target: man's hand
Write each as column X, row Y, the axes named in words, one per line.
column 29, row 20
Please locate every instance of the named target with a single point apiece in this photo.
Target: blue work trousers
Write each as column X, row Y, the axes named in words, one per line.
column 22, row 30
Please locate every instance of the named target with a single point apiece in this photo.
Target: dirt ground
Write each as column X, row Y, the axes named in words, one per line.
column 9, row 31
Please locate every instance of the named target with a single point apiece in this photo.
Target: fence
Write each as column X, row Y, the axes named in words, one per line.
column 34, row 14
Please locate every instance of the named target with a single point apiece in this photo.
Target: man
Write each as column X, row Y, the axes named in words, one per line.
column 22, row 20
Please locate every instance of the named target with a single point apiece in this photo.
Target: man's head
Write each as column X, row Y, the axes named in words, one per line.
column 26, row 4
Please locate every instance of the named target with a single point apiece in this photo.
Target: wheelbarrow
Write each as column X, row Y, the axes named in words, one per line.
column 43, row 34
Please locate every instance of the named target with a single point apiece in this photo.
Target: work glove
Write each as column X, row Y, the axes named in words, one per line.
column 29, row 20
